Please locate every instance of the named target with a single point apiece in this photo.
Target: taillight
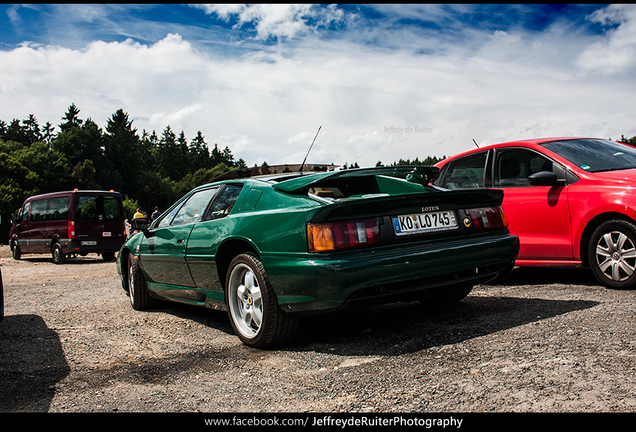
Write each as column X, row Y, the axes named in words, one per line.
column 488, row 218
column 333, row 236
column 71, row 230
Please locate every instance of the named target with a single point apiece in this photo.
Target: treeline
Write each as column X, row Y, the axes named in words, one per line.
column 429, row 161
column 148, row 169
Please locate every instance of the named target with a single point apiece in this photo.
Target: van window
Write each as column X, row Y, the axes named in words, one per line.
column 38, row 211
column 25, row 211
column 87, row 207
column 111, row 207
column 57, row 209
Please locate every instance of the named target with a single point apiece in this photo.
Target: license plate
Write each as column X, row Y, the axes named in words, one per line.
column 424, row 222
column 106, row 234
column 89, row 243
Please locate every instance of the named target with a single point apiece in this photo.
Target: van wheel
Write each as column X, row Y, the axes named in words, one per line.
column 58, row 254
column 140, row 298
column 15, row 249
column 108, row 256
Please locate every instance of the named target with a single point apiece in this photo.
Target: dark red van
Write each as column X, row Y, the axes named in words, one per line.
column 69, row 223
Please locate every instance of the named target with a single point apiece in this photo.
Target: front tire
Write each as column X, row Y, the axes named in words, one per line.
column 16, row 251
column 253, row 308
column 612, row 252
column 140, row 298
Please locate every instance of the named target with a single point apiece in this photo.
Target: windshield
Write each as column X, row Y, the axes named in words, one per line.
column 595, row 155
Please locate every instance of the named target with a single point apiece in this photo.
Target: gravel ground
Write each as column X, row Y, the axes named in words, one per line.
column 541, row 341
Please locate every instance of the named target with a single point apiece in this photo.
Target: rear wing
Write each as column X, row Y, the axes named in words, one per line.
column 422, row 175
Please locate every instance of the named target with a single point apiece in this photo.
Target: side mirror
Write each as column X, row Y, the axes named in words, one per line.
column 140, row 224
column 544, row 178
column 15, row 219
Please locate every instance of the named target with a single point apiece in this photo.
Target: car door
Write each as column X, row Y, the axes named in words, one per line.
column 57, row 218
column 539, row 215
column 208, row 235
column 22, row 230
column 37, row 241
column 164, row 261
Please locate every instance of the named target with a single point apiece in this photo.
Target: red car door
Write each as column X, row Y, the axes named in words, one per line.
column 539, row 215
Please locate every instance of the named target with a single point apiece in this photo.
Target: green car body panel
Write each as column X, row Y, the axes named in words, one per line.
column 188, row 263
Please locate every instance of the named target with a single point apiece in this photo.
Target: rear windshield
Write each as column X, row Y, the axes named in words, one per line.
column 91, row 206
column 365, row 187
column 595, row 155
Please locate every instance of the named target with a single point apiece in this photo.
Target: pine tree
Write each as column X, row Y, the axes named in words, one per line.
column 171, row 157
column 31, row 130
column 123, row 151
column 71, row 118
column 198, row 153
column 81, row 140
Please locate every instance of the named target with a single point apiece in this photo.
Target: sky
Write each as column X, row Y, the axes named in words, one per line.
column 379, row 82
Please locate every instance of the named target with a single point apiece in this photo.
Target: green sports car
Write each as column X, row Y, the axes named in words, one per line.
column 274, row 249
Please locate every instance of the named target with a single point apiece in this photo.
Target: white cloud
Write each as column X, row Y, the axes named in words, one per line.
column 277, row 20
column 616, row 52
column 372, row 103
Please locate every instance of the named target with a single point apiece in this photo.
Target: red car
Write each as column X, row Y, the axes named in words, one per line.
column 570, row 201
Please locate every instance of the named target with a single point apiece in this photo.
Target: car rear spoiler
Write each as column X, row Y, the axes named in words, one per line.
column 275, row 170
column 417, row 174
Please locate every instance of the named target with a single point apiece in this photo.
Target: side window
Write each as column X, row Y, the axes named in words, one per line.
column 192, row 210
column 167, row 218
column 38, row 211
column 57, row 209
column 514, row 166
column 467, row 172
column 224, row 203
column 25, row 211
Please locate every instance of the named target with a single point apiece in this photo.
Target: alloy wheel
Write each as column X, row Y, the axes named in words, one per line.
column 616, row 256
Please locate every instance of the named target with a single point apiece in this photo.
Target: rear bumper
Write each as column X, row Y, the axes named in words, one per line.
column 317, row 284
column 91, row 246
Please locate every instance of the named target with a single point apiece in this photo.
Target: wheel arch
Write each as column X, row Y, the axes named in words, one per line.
column 226, row 253
column 594, row 223
column 54, row 241
column 123, row 266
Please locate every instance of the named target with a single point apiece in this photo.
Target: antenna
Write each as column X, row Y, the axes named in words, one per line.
column 312, row 144
column 475, row 143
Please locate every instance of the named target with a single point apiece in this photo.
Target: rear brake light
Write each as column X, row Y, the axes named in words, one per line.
column 488, row 218
column 71, row 230
column 333, row 236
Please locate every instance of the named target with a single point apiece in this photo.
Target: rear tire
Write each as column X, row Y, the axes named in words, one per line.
column 108, row 256
column 58, row 254
column 140, row 298
column 452, row 295
column 253, row 307
column 612, row 254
